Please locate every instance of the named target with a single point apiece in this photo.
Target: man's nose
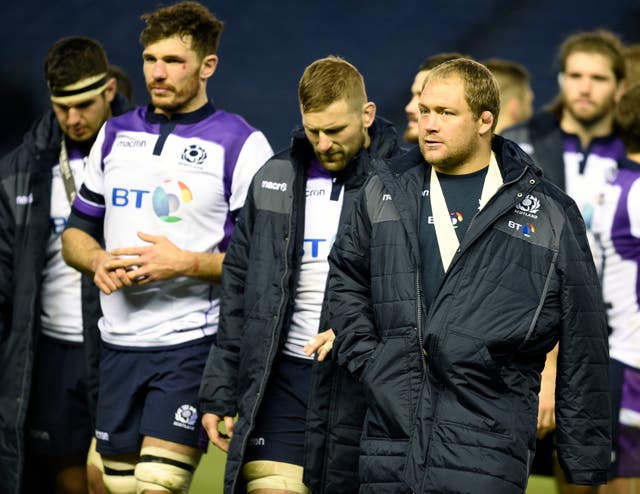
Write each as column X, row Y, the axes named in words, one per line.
column 324, row 143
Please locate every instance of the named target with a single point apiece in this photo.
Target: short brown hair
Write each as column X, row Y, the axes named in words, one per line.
column 72, row 59
column 480, row 87
column 627, row 115
column 184, row 19
column 328, row 80
column 435, row 60
column 603, row 42
column 512, row 77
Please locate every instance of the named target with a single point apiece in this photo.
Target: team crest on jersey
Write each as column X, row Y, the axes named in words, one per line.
column 529, row 206
column 194, row 155
column 185, row 417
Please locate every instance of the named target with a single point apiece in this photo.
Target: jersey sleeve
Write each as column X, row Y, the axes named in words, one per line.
column 88, row 209
column 254, row 153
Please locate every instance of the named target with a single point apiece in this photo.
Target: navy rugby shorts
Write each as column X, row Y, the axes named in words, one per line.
column 279, row 430
column 625, row 420
column 59, row 419
column 150, row 393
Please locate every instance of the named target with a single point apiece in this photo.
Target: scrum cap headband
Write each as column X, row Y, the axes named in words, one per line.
column 86, row 88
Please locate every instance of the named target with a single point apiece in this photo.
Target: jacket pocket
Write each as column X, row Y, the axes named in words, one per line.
column 387, row 387
column 474, row 395
column 472, row 456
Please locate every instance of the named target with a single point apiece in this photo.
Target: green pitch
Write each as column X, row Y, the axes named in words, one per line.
column 208, row 477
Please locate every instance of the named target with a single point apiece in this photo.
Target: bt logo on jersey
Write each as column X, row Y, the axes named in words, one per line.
column 121, row 198
column 166, row 200
column 169, row 197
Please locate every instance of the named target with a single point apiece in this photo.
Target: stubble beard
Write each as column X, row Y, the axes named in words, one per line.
column 451, row 161
column 179, row 99
column 599, row 114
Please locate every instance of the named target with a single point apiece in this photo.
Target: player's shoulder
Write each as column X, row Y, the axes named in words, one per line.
column 230, row 124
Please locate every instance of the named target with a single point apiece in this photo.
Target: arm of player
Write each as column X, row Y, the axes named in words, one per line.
column 83, row 252
column 583, row 410
column 210, row 421
column 547, row 395
column 163, row 260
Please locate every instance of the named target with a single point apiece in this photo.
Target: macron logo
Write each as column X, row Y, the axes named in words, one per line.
column 386, row 197
column 24, row 200
column 267, row 184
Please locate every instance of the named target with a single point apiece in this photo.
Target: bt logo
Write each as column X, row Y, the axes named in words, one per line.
column 166, row 199
column 527, row 229
column 317, row 245
column 456, row 219
column 121, row 198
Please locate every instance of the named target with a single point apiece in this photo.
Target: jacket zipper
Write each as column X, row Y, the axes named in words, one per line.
column 419, row 316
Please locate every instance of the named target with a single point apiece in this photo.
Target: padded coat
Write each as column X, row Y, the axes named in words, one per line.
column 452, row 394
column 259, row 279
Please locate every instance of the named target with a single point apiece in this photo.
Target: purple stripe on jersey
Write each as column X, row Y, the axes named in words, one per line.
column 571, row 144
column 316, row 170
column 608, row 148
column 228, row 230
column 624, row 243
column 75, row 154
column 88, row 209
column 133, row 121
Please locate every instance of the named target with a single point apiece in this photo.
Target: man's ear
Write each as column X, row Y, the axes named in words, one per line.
column 486, row 122
column 208, row 66
column 368, row 113
column 111, row 89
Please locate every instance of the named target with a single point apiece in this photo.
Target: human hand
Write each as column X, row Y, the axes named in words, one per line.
column 547, row 403
column 322, row 343
column 221, row 440
column 109, row 279
column 161, row 260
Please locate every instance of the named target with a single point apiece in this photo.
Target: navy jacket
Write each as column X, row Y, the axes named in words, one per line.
column 25, row 202
column 541, row 137
column 452, row 394
column 259, row 278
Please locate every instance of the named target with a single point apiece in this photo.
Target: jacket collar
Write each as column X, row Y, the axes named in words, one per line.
column 384, row 144
column 511, row 159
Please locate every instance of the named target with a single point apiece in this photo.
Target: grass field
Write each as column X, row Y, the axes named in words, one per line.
column 208, row 478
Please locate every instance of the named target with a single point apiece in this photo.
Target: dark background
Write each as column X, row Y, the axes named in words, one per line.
column 267, row 44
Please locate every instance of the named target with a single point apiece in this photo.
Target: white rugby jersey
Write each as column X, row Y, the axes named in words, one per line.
column 61, row 293
column 586, row 172
column 616, row 228
column 183, row 178
column 322, row 216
